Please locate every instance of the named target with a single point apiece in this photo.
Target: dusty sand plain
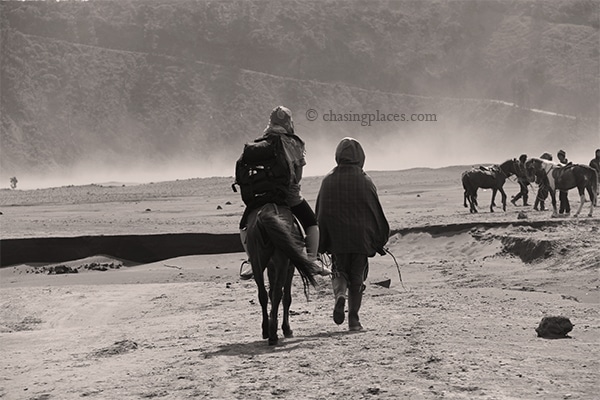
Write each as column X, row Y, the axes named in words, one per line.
column 462, row 327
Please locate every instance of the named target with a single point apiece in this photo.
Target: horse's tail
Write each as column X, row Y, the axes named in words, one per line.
column 470, row 189
column 464, row 179
column 280, row 234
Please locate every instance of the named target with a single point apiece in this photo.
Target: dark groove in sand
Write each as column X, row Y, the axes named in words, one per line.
column 156, row 247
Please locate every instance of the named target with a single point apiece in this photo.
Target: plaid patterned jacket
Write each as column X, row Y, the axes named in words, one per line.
column 351, row 219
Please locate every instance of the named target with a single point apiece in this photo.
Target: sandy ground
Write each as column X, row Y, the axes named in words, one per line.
column 461, row 327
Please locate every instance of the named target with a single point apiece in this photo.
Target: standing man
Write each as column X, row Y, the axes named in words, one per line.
column 565, row 207
column 595, row 163
column 353, row 227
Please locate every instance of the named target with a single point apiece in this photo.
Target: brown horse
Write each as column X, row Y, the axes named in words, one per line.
column 489, row 178
column 561, row 177
column 273, row 241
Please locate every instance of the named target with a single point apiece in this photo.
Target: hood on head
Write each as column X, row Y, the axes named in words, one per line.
column 349, row 151
column 281, row 117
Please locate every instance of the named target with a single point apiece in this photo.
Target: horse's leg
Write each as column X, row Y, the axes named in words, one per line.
column 468, row 197
column 503, row 193
column 259, row 258
column 553, row 197
column 263, row 298
column 474, row 201
column 466, row 194
column 287, row 302
column 276, row 290
column 581, row 190
column 494, row 191
column 593, row 199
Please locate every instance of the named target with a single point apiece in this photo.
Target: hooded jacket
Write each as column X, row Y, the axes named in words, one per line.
column 351, row 219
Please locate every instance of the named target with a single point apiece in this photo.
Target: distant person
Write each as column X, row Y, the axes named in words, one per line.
column 565, row 207
column 353, row 227
column 543, row 189
column 523, row 183
column 281, row 123
column 595, row 163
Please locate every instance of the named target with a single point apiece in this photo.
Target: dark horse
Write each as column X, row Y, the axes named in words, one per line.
column 273, row 241
column 489, row 178
column 556, row 176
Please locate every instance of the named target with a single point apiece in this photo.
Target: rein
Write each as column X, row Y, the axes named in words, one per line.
column 514, row 167
column 397, row 266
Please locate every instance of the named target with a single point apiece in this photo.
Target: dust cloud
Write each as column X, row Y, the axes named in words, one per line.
column 387, row 148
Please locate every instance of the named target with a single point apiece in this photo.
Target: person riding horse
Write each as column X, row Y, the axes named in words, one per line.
column 282, row 124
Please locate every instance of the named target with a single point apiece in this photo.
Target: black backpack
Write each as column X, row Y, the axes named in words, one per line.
column 262, row 172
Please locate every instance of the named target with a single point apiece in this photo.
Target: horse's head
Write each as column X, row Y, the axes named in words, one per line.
column 534, row 170
column 513, row 167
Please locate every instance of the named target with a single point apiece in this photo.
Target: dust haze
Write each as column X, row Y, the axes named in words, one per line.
column 388, row 148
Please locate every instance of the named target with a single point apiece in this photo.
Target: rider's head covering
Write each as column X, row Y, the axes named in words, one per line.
column 282, row 116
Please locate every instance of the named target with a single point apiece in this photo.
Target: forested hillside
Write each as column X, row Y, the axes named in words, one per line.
column 157, row 81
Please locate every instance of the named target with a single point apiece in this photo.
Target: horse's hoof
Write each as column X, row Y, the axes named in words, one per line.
column 273, row 342
column 590, row 215
column 575, row 215
column 289, row 334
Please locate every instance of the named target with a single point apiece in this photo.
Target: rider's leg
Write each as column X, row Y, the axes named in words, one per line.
column 308, row 219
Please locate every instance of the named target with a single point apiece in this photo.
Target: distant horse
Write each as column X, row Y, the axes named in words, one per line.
column 273, row 241
column 556, row 176
column 489, row 178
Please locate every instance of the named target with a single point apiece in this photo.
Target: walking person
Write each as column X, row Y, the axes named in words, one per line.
column 563, row 196
column 353, row 228
column 523, row 183
column 543, row 189
column 281, row 123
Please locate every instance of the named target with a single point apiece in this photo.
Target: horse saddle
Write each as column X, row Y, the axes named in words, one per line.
column 560, row 170
column 488, row 170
